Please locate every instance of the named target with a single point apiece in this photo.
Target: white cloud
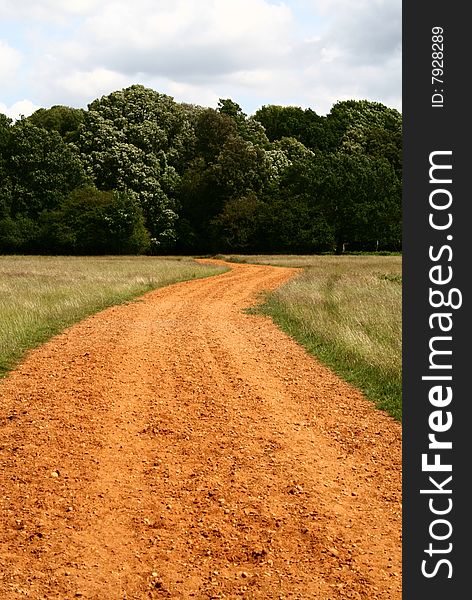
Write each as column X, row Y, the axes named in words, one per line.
column 10, row 60
column 97, row 81
column 78, row 88
column 23, row 108
column 371, row 33
column 53, row 11
column 254, row 50
column 187, row 42
column 192, row 94
column 355, row 54
column 149, row 22
column 187, row 39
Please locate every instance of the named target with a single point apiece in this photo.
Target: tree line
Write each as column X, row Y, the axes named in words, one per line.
column 138, row 172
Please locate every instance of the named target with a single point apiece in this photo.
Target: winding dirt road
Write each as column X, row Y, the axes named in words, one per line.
column 176, row 447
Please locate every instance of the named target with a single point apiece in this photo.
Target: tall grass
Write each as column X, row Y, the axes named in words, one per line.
column 40, row 296
column 347, row 311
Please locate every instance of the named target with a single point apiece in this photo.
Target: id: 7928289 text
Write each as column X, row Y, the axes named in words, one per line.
column 437, row 66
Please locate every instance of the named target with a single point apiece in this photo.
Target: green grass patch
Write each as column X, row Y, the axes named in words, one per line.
column 346, row 310
column 41, row 296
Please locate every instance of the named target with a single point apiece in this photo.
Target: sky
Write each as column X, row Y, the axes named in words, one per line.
column 307, row 53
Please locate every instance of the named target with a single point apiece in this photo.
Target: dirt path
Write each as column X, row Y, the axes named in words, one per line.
column 176, row 447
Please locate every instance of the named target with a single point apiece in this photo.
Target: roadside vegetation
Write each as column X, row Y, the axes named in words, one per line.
column 41, row 295
column 346, row 310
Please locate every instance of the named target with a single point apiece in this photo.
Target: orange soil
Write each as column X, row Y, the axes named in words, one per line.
column 176, row 447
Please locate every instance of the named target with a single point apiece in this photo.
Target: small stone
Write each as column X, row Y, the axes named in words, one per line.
column 55, row 474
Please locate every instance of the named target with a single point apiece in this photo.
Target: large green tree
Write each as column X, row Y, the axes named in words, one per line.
column 226, row 168
column 331, row 202
column 139, row 140
column 90, row 221
column 237, row 228
column 292, row 219
column 292, row 121
column 360, row 126
column 42, row 169
column 38, row 170
column 249, row 128
column 63, row 119
column 360, row 197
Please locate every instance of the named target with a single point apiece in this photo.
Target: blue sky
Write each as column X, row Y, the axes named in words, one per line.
column 307, row 53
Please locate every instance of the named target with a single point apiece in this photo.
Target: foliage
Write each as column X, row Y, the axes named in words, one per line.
column 40, row 167
column 330, row 201
column 367, row 127
column 91, row 222
column 293, row 122
column 237, row 227
column 63, row 119
column 137, row 139
column 38, row 170
column 361, row 199
column 226, row 168
column 249, row 128
column 200, row 180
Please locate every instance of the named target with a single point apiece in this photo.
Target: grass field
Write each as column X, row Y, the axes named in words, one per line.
column 40, row 296
column 347, row 311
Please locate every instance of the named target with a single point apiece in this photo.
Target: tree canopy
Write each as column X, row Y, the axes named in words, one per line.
column 139, row 172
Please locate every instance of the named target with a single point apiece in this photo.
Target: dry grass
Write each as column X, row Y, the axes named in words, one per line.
column 40, row 296
column 348, row 311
